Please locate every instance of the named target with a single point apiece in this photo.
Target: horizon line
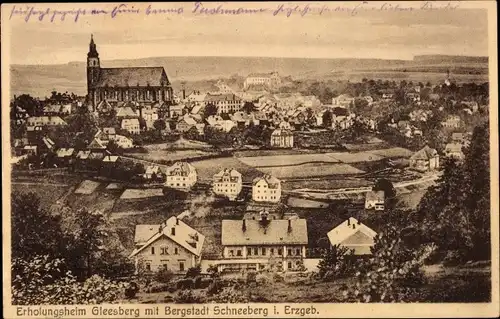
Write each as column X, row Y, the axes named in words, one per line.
column 264, row 57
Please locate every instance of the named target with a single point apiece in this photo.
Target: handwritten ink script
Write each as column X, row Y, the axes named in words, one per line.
column 33, row 13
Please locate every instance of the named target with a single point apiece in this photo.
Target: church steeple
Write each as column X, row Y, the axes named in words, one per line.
column 93, row 71
column 92, row 48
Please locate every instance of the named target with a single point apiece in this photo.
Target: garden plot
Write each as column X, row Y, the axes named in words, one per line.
column 354, row 157
column 393, row 152
column 141, row 193
column 87, row 187
column 310, row 170
column 286, row 160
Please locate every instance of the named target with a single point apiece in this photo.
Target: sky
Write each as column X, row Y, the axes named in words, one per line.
column 340, row 31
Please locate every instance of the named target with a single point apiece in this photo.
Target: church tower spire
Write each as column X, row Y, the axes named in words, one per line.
column 93, row 71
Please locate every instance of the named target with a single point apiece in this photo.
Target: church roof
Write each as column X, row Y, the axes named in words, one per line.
column 133, row 76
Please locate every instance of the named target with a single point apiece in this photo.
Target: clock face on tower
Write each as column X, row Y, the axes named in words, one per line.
column 93, row 62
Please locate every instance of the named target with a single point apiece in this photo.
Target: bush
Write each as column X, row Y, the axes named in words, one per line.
column 251, row 277
column 193, row 272
column 454, row 258
column 278, row 278
column 131, row 290
column 334, row 263
column 164, row 276
column 214, row 288
column 186, row 283
column 197, row 282
column 188, row 296
column 262, row 279
column 157, row 287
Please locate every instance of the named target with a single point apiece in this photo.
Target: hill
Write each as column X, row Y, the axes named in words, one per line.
column 39, row 80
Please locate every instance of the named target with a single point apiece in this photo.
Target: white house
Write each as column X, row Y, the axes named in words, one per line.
column 343, row 100
column 131, row 125
column 228, row 183
column 181, row 175
column 172, row 245
column 260, row 244
column 374, row 200
column 353, row 235
column 266, row 189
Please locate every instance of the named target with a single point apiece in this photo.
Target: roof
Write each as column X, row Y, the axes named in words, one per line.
column 83, row 155
column 145, row 235
column 181, row 169
column 52, row 108
column 188, row 119
column 48, row 142
column 96, row 143
column 275, row 232
column 425, row 153
column 125, row 112
column 110, row 158
column 259, row 75
column 65, row 152
column 345, row 230
column 45, row 120
column 457, row 136
column 281, row 132
column 109, row 130
column 222, row 97
column 375, row 195
column 232, row 173
column 453, row 147
column 272, row 181
column 133, row 76
column 153, row 169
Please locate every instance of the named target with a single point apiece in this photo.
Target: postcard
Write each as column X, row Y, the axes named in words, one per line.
column 250, row 159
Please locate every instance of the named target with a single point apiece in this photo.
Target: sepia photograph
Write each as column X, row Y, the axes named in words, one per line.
column 260, row 159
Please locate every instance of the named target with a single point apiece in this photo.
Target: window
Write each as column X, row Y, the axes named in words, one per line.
column 176, row 251
column 256, row 251
column 148, row 266
column 272, row 251
column 231, row 253
column 238, row 252
column 181, row 265
column 280, row 251
column 249, row 251
column 164, row 251
column 289, row 265
column 263, row 251
column 297, row 252
column 289, row 252
column 164, row 264
column 152, row 250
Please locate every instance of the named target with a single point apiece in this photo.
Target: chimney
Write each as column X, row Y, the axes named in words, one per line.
column 359, row 222
column 353, row 226
column 173, row 231
column 349, row 221
column 176, row 221
column 183, row 94
column 289, row 225
column 244, row 226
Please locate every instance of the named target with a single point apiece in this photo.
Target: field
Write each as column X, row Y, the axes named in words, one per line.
column 155, row 155
column 284, row 160
column 310, row 170
column 141, row 193
column 49, row 194
column 207, row 168
column 87, row 187
column 393, row 152
column 330, row 183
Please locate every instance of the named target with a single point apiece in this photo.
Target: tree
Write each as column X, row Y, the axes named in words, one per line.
column 41, row 280
column 327, row 119
column 160, row 125
column 114, row 148
column 210, row 109
column 391, row 273
column 248, row 107
column 89, row 234
column 334, row 263
column 34, row 230
column 28, row 103
column 386, row 186
column 192, row 134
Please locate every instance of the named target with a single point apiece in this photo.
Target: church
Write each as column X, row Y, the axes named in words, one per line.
column 117, row 86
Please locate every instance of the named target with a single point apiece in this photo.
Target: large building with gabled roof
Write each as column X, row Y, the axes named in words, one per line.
column 135, row 84
column 172, row 245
